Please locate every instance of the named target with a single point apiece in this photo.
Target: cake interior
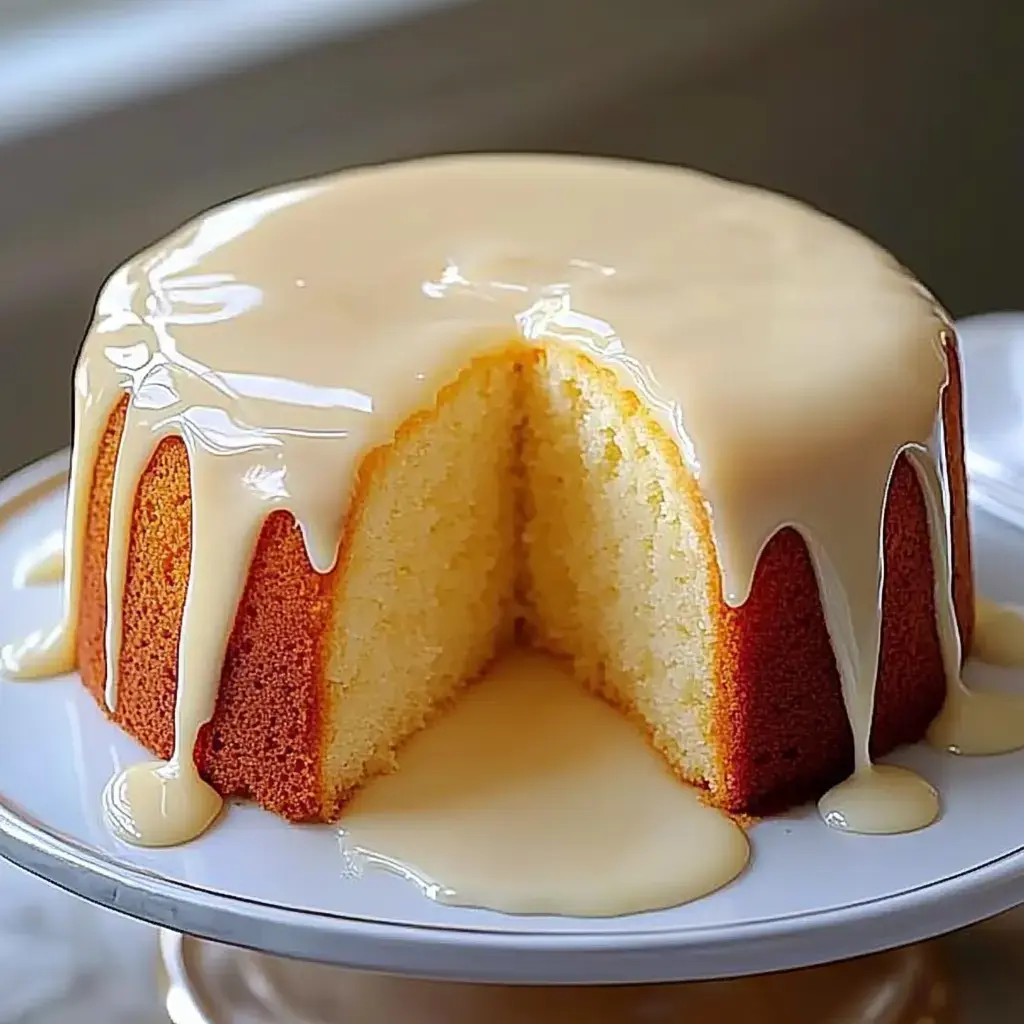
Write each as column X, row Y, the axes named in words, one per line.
column 537, row 503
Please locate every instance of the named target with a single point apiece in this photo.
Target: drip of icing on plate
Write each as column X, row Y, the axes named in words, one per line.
column 710, row 301
column 43, row 563
column 998, row 633
column 531, row 796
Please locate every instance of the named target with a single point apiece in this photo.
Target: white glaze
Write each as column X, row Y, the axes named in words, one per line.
column 532, row 796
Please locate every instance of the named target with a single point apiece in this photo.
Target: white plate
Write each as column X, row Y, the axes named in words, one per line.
column 810, row 895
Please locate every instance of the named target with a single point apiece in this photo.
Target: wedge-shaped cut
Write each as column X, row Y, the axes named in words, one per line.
column 536, row 502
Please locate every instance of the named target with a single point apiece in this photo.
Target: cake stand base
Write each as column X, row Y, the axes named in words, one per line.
column 207, row 983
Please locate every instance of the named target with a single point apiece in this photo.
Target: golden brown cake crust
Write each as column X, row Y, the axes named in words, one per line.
column 779, row 717
column 265, row 740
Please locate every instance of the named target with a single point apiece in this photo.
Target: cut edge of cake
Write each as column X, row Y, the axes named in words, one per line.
column 536, row 497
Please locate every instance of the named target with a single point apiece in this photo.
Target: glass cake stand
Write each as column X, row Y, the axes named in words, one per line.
column 810, row 897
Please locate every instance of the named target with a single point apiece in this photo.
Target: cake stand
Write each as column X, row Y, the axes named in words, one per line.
column 810, row 896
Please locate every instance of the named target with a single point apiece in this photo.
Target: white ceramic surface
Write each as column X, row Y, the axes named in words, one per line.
column 810, row 894
column 993, row 350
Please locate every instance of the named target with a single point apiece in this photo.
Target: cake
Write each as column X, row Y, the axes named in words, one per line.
column 338, row 444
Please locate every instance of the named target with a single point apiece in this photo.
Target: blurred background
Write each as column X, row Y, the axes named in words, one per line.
column 120, row 119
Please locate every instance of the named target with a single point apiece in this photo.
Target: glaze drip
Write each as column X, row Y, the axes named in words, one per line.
column 998, row 633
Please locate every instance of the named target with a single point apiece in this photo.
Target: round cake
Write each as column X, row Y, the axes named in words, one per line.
column 338, row 444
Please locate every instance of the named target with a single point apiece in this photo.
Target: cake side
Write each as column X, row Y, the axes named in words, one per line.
column 745, row 701
column 618, row 555
column 266, row 738
column 324, row 675
column 424, row 592
column 960, row 525
column 779, row 715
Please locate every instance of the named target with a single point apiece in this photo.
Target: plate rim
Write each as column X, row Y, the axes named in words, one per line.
column 539, row 957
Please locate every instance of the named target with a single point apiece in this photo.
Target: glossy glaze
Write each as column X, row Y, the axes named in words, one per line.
column 533, row 796
column 42, row 563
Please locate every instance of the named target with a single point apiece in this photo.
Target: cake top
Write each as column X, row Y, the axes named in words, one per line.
column 761, row 332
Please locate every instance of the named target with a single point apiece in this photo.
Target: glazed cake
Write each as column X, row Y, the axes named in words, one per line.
column 338, row 444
